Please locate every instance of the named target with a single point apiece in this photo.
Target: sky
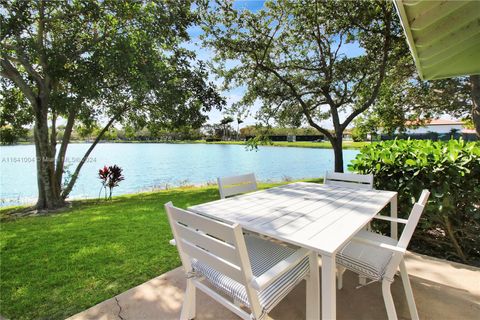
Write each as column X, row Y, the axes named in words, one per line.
column 236, row 94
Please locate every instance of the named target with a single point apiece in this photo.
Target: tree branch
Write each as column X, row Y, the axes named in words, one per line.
column 300, row 101
column 41, row 45
column 11, row 73
column 22, row 59
column 63, row 147
column 72, row 181
column 381, row 71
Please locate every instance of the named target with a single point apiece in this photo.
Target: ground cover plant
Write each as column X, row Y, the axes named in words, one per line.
column 56, row 265
column 450, row 225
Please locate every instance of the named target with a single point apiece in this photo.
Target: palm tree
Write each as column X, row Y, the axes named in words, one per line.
column 225, row 121
column 238, row 127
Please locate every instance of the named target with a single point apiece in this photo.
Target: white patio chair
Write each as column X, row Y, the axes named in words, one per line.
column 219, row 260
column 230, row 186
column 378, row 257
column 349, row 180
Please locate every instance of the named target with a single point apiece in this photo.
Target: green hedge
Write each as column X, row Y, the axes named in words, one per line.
column 450, row 225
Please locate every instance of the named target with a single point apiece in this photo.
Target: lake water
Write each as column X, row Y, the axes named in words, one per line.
column 147, row 166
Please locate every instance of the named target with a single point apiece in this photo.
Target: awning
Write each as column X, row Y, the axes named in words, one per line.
column 444, row 36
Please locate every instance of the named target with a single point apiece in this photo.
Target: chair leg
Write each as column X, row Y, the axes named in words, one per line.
column 188, row 309
column 388, row 299
column 368, row 227
column 362, row 280
column 312, row 287
column 408, row 291
column 340, row 272
column 238, row 303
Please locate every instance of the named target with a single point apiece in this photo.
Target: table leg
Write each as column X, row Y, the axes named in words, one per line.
column 313, row 288
column 393, row 214
column 329, row 305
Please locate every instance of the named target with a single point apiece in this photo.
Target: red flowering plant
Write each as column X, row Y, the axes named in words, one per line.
column 114, row 177
column 103, row 176
column 110, row 177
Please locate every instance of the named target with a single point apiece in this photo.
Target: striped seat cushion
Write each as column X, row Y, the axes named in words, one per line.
column 366, row 260
column 263, row 254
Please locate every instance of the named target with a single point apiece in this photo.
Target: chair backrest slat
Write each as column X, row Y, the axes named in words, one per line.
column 349, row 180
column 214, row 228
column 413, row 219
column 424, row 197
column 229, row 186
column 230, row 270
column 214, row 243
column 238, row 189
column 209, row 243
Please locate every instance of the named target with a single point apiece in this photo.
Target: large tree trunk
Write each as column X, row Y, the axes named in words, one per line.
column 40, row 185
column 338, row 152
column 48, row 192
column 475, row 83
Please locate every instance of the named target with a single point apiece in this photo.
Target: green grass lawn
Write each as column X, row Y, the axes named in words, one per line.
column 57, row 265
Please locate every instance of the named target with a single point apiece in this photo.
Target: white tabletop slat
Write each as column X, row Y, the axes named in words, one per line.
column 314, row 216
column 322, row 208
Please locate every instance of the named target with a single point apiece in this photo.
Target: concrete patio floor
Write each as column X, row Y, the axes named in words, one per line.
column 442, row 289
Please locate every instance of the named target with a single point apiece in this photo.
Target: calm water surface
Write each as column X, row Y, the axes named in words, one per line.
column 149, row 166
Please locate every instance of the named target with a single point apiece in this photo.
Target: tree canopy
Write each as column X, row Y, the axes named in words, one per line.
column 79, row 62
column 407, row 98
column 293, row 56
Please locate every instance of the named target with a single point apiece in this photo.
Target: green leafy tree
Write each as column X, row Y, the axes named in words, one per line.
column 475, row 91
column 239, row 121
column 87, row 130
column 256, row 130
column 406, row 97
column 468, row 123
column 14, row 116
column 365, row 126
column 225, row 122
column 292, row 57
column 85, row 61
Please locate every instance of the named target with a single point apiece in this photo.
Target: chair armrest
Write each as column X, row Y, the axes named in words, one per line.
column 404, row 221
column 279, row 269
column 380, row 245
column 173, row 242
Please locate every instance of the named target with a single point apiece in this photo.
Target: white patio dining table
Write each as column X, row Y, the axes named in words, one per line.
column 314, row 216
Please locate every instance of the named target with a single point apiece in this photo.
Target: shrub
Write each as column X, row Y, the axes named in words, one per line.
column 110, row 177
column 450, row 225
